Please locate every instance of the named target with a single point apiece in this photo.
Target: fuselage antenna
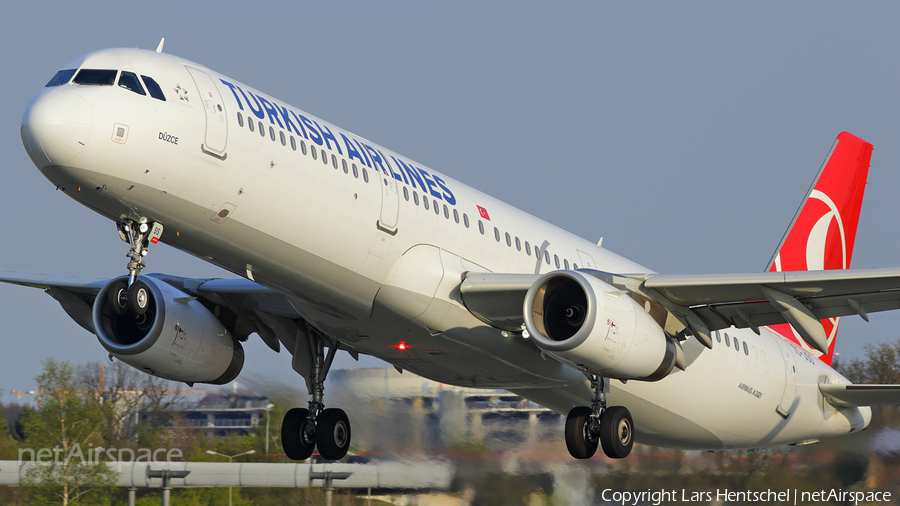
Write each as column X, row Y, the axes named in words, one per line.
column 160, row 46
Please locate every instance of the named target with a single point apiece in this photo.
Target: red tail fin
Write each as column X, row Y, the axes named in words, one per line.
column 824, row 228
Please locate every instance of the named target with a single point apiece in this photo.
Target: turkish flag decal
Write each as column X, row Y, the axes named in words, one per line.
column 483, row 212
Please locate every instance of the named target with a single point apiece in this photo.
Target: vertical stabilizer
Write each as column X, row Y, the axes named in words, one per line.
column 823, row 231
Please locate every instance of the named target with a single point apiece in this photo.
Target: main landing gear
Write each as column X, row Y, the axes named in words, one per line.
column 328, row 429
column 589, row 427
column 134, row 297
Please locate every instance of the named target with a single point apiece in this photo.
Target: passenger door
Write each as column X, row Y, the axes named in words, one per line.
column 214, row 107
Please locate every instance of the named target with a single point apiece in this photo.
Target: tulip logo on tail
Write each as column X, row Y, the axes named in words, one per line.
column 823, row 232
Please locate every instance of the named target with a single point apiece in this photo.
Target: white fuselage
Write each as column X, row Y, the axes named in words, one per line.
column 368, row 263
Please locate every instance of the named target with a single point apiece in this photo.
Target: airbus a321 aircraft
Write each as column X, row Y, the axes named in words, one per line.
column 343, row 245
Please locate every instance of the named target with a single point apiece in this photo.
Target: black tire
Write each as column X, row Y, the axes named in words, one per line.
column 292, row 439
column 577, row 441
column 616, row 432
column 138, row 297
column 117, row 297
column 333, row 434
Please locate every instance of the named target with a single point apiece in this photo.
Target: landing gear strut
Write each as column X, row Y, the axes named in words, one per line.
column 134, row 297
column 327, row 429
column 590, row 427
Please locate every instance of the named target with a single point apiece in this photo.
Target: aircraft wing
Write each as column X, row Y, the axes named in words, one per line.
column 860, row 395
column 257, row 309
column 707, row 302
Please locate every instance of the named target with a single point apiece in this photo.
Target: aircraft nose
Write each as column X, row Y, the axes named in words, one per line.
column 56, row 126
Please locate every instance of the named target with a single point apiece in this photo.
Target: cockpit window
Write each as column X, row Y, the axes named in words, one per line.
column 153, row 88
column 61, row 77
column 95, row 76
column 129, row 81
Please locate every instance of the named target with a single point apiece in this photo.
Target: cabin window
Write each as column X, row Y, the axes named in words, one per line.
column 96, row 77
column 508, row 240
column 415, row 197
column 556, row 261
column 497, row 234
column 727, row 340
column 575, row 266
column 455, row 216
column 250, row 124
column 481, row 227
column 153, row 88
column 334, row 163
column 313, row 152
column 718, row 337
column 466, row 220
column 437, row 207
column 365, row 175
column 344, row 164
column 547, row 257
column 746, row 350
column 325, row 159
column 130, row 82
column 283, row 138
column 262, row 130
column 406, row 194
column 566, row 263
column 356, row 172
column 737, row 345
column 61, row 77
column 303, row 147
column 446, row 212
column 240, row 120
column 425, row 203
column 518, row 244
column 293, row 143
column 272, row 133
column 527, row 248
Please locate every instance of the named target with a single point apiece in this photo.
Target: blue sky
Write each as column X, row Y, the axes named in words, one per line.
column 684, row 134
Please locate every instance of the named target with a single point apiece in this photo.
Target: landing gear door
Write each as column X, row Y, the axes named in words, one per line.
column 214, row 107
column 790, row 379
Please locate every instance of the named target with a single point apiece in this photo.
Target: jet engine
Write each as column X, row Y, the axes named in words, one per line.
column 580, row 320
column 175, row 338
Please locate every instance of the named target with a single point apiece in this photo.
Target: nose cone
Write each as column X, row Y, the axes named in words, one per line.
column 56, row 126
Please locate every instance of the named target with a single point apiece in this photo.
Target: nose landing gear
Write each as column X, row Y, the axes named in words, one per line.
column 327, row 429
column 134, row 297
column 589, row 427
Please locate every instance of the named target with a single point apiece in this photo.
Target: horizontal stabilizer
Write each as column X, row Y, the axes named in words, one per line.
column 860, row 395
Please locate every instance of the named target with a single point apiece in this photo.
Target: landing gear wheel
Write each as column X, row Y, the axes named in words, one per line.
column 333, row 434
column 293, row 435
column 616, row 432
column 578, row 440
column 138, row 297
column 118, row 297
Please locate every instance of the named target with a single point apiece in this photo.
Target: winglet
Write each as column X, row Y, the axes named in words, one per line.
column 823, row 231
column 160, row 46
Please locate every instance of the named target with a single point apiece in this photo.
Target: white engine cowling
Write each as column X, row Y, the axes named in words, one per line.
column 177, row 338
column 580, row 320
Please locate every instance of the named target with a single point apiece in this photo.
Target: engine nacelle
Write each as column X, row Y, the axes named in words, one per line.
column 585, row 322
column 177, row 338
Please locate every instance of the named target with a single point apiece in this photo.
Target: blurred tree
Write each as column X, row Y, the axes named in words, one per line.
column 8, row 446
column 881, row 365
column 61, row 436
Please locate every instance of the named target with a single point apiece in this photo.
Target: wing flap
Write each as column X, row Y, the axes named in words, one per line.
column 860, row 395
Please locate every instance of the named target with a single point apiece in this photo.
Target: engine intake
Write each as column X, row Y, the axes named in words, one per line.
column 177, row 338
column 580, row 320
